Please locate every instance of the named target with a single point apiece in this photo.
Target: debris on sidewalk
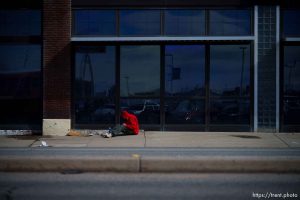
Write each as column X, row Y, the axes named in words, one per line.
column 43, row 144
column 74, row 133
column 84, row 133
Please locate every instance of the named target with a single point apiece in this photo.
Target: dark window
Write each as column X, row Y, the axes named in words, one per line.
column 140, row 71
column 184, row 81
column 185, row 111
column 20, row 23
column 184, row 70
column 139, row 22
column 95, row 85
column 291, row 22
column 95, row 22
column 291, row 84
column 20, row 91
column 184, row 22
column 230, row 84
column 230, row 22
column 230, row 70
column 231, row 111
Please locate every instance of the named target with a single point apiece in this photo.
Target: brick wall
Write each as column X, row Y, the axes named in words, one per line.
column 56, row 59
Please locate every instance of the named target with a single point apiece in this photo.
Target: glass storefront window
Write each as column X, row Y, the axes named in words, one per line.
column 230, row 84
column 140, row 22
column 184, row 100
column 20, row 80
column 95, row 85
column 146, row 110
column 230, row 70
column 184, row 111
column 291, row 22
column 95, row 22
column 184, row 70
column 230, row 111
column 20, row 23
column 184, row 22
column 230, row 22
column 140, row 71
column 291, row 85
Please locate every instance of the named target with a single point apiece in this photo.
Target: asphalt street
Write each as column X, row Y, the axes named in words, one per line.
column 48, row 151
column 44, row 186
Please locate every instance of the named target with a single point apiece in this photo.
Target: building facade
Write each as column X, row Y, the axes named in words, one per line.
column 178, row 65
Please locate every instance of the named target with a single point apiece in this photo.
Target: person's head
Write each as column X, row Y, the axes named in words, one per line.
column 124, row 114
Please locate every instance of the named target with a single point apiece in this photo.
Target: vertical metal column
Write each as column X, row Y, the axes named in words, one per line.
column 266, row 69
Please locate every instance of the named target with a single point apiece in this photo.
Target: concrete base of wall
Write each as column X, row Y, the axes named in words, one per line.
column 57, row 127
column 16, row 132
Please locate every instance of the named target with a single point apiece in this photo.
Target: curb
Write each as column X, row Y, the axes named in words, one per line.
column 136, row 164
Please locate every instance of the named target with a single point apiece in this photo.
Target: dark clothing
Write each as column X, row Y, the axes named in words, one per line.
column 121, row 130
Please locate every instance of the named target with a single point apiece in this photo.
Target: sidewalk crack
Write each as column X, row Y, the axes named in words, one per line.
column 282, row 140
column 145, row 139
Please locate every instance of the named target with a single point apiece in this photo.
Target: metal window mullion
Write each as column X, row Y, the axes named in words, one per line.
column 162, row 87
column 117, row 82
column 207, row 86
column 255, row 87
column 277, row 68
column 162, row 22
column 118, row 22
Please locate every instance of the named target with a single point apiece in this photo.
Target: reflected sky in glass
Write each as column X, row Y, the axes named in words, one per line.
column 95, row 22
column 190, row 60
column 230, row 22
column 20, row 58
column 20, row 22
column 140, row 70
column 291, row 22
column 292, row 70
column 102, row 61
column 184, row 22
column 230, row 70
column 139, row 22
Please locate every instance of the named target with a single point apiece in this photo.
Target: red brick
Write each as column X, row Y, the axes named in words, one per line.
column 57, row 59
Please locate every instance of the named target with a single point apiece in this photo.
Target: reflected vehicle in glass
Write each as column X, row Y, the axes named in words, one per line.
column 146, row 110
column 234, row 111
column 138, row 109
column 107, row 111
column 185, row 111
column 292, row 109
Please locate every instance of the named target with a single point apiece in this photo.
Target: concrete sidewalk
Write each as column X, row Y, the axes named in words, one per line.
column 55, row 161
column 163, row 139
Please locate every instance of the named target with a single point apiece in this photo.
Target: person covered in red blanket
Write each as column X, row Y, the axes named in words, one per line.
column 129, row 127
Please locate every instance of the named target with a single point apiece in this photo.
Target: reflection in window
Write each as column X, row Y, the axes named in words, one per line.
column 20, row 91
column 95, row 85
column 146, row 110
column 140, row 71
column 20, row 22
column 291, row 22
column 139, row 22
column 230, row 22
column 230, row 111
column 184, row 70
column 94, row 22
column 184, row 22
column 230, row 70
column 291, row 85
column 185, row 111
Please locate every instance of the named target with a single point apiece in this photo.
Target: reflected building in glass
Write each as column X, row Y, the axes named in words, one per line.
column 177, row 65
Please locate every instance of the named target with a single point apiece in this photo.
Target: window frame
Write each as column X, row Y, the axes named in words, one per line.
column 163, row 126
column 27, row 40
